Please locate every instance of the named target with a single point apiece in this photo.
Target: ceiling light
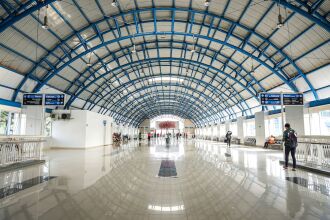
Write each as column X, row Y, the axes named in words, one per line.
column 280, row 21
column 114, row 3
column 45, row 24
column 89, row 64
column 207, row 3
column 193, row 50
column 134, row 49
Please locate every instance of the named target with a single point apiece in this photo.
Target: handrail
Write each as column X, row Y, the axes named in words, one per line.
column 16, row 149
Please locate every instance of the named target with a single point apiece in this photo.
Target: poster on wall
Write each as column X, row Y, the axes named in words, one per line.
column 167, row 125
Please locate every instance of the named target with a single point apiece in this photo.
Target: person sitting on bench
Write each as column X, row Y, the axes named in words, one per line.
column 270, row 140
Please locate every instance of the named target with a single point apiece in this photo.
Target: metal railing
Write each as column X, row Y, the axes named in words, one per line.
column 15, row 149
column 314, row 151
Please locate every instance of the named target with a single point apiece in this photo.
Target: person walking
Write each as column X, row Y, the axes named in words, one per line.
column 228, row 138
column 290, row 145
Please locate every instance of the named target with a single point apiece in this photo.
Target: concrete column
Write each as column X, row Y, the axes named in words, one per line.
column 35, row 120
column 219, row 133
column 240, row 131
column 295, row 116
column 260, row 128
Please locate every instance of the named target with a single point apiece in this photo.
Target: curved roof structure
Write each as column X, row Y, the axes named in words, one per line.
column 206, row 60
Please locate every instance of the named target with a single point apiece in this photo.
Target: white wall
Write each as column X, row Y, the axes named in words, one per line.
column 84, row 130
column 70, row 133
column 260, row 128
column 97, row 133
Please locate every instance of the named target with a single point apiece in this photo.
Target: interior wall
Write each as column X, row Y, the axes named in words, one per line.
column 85, row 129
column 70, row 133
column 98, row 129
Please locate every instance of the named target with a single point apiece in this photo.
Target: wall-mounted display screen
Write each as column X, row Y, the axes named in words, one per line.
column 270, row 99
column 54, row 99
column 293, row 99
column 32, row 99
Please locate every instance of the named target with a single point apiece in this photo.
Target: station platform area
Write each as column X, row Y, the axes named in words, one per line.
column 187, row 179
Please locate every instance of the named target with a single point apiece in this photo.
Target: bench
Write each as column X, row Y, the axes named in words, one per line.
column 250, row 141
column 277, row 145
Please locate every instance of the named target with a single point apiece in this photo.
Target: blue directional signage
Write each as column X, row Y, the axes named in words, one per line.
column 293, row 99
column 54, row 99
column 32, row 99
column 270, row 99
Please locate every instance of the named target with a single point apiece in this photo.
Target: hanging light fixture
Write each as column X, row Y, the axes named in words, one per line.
column 280, row 22
column 89, row 64
column 134, row 49
column 252, row 67
column 45, row 24
column 207, row 3
column 193, row 50
column 114, row 3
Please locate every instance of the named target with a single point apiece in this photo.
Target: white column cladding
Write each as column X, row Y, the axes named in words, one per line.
column 240, row 131
column 260, row 128
column 219, row 133
column 295, row 116
column 35, row 120
column 227, row 126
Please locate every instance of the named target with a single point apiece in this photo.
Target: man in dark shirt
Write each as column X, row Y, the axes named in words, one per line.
column 289, row 146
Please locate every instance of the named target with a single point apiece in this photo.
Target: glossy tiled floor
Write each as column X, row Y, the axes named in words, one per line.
column 123, row 183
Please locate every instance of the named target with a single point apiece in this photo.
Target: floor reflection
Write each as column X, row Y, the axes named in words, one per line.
column 122, row 183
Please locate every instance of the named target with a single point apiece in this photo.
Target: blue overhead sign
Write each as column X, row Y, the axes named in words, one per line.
column 270, row 99
column 32, row 99
column 54, row 99
column 293, row 99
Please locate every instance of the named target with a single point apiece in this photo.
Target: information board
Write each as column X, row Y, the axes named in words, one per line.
column 32, row 99
column 293, row 99
column 54, row 99
column 270, row 99
column 167, row 125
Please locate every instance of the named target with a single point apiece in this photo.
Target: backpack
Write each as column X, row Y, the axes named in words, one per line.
column 292, row 139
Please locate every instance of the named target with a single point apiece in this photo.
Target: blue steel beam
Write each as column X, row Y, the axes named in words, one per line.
column 118, row 107
column 45, row 80
column 219, row 93
column 198, row 113
column 164, row 59
column 239, row 25
column 215, row 75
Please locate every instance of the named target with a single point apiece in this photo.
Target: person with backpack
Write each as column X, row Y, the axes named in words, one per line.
column 290, row 144
column 228, row 138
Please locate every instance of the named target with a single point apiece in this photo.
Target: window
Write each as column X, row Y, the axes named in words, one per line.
column 3, row 122
column 317, row 123
column 249, row 128
column 273, row 126
column 222, row 130
column 233, row 128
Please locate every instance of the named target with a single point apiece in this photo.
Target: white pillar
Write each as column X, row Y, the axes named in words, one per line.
column 35, row 120
column 260, row 128
column 227, row 126
column 240, row 131
column 294, row 115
